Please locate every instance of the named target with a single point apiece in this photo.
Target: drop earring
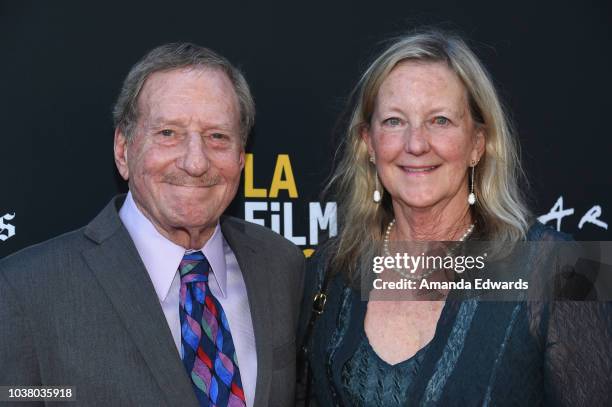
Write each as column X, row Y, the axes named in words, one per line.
column 377, row 196
column 472, row 195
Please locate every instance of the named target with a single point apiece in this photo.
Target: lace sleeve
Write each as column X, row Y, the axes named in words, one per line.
column 578, row 354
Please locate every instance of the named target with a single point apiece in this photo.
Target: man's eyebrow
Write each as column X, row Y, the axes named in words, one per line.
column 165, row 121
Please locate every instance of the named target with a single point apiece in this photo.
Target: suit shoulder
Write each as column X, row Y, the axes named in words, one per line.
column 262, row 233
column 43, row 255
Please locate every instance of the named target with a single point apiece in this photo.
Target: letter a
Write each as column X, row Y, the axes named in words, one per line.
column 283, row 166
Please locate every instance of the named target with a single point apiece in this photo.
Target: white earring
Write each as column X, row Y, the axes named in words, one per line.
column 377, row 196
column 472, row 195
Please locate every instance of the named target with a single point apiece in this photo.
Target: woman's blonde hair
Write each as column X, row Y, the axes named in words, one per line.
column 501, row 213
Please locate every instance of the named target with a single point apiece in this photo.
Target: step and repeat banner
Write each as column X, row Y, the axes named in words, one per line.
column 63, row 64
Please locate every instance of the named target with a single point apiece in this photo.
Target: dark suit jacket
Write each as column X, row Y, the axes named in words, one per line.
column 80, row 310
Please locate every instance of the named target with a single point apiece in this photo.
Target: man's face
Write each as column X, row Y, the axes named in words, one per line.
column 184, row 161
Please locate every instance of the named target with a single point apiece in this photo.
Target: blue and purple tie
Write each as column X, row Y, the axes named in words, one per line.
column 207, row 348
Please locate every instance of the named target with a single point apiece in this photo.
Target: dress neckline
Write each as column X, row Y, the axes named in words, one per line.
column 417, row 356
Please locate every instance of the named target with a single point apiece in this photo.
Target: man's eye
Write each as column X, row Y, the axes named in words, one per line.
column 392, row 121
column 166, row 133
column 440, row 121
column 218, row 136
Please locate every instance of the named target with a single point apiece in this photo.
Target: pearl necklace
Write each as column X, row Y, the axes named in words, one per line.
column 427, row 273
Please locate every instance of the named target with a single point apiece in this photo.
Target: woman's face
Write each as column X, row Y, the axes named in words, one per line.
column 422, row 135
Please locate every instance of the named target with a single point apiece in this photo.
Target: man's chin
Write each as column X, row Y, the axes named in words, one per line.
column 194, row 223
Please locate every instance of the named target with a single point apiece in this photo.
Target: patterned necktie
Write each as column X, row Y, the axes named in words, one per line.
column 207, row 348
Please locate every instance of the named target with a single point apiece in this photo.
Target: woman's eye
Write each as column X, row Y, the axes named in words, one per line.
column 166, row 133
column 440, row 121
column 392, row 121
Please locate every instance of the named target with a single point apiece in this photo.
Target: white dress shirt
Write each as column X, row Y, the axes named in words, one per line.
column 162, row 257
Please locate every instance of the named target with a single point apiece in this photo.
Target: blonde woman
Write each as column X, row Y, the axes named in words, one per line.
column 429, row 156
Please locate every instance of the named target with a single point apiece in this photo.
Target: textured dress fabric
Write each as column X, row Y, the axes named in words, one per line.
column 370, row 381
column 484, row 353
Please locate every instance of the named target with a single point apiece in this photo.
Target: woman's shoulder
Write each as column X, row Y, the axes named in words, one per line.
column 541, row 232
column 318, row 266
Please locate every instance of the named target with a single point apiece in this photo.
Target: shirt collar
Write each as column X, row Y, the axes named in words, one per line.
column 161, row 257
column 215, row 253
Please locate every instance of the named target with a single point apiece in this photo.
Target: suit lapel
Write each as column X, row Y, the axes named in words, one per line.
column 119, row 270
column 253, row 267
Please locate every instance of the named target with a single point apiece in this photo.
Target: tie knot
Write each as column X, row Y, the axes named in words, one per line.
column 194, row 267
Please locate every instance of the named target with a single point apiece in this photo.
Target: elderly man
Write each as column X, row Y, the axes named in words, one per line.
column 161, row 300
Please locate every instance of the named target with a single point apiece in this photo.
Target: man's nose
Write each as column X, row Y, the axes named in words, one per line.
column 416, row 140
column 194, row 159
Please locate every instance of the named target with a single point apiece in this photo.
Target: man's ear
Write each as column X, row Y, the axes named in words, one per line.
column 241, row 159
column 120, row 153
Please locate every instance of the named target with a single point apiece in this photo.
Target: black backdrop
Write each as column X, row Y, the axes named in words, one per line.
column 62, row 66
